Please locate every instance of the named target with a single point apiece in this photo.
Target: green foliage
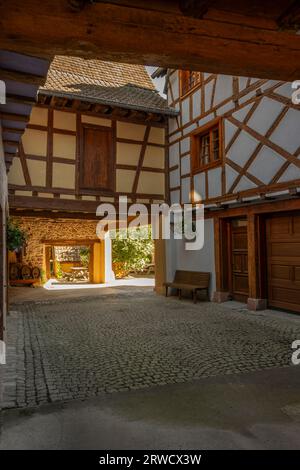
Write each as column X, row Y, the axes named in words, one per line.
column 85, row 256
column 43, row 276
column 16, row 237
column 59, row 271
column 135, row 251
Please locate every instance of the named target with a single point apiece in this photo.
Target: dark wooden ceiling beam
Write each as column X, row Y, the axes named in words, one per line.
column 52, row 215
column 12, row 130
column 144, row 34
column 12, row 98
column 14, row 117
column 26, row 202
column 290, row 19
column 11, row 143
column 195, row 8
column 22, row 77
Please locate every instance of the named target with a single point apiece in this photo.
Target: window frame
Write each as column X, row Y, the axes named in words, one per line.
column 196, row 137
column 182, row 80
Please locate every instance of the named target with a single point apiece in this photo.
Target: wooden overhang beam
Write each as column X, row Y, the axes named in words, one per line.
column 12, row 130
column 14, row 117
column 101, row 110
column 11, row 143
column 52, row 214
column 153, row 33
column 35, row 204
column 22, row 77
column 26, row 202
column 13, row 98
column 195, row 8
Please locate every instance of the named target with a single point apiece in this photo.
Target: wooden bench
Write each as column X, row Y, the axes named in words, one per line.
column 189, row 280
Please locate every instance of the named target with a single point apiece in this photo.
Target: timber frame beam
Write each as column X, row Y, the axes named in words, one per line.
column 243, row 38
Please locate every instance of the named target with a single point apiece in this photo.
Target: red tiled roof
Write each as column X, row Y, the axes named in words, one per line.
column 114, row 83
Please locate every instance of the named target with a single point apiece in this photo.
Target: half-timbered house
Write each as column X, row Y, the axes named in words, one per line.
column 96, row 132
column 235, row 146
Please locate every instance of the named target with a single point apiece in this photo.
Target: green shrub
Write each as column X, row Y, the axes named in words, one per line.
column 16, row 237
column 133, row 253
column 85, row 256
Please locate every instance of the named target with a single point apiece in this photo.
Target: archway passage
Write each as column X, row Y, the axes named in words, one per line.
column 75, row 261
column 249, row 38
column 69, row 264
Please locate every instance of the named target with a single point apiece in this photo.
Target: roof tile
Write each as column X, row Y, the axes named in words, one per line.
column 114, row 83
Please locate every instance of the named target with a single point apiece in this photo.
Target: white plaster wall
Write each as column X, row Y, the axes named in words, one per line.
column 242, row 148
column 177, row 257
column 223, row 89
column 185, row 165
column 265, row 114
column 199, row 186
column 174, row 154
column 286, row 135
column 174, row 178
column 214, row 182
column 185, row 189
column 185, row 145
column 109, row 274
column 185, row 106
column 208, row 95
column 266, row 164
column 175, row 197
column 196, row 104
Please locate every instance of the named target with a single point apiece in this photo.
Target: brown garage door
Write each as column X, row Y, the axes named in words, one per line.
column 283, row 250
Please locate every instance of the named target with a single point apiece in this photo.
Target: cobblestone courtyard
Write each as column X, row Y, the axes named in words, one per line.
column 82, row 347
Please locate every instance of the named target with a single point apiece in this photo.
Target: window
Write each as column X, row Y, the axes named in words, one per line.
column 96, row 159
column 206, row 148
column 189, row 80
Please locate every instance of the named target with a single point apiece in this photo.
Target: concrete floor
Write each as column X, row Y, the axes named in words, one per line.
column 53, row 290
column 260, row 410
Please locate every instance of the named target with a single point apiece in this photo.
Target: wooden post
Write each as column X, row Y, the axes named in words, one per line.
column 46, row 265
column 221, row 293
column 254, row 302
column 160, row 261
column 98, row 263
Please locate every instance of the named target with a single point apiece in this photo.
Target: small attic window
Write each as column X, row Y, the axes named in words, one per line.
column 188, row 81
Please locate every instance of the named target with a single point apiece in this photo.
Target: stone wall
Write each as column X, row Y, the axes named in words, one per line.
column 39, row 229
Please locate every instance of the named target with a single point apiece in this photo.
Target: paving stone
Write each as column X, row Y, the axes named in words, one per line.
column 63, row 350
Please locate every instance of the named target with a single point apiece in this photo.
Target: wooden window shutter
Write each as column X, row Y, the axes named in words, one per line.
column 97, row 159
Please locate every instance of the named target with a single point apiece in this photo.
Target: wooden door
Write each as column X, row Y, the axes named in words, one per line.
column 239, row 260
column 97, row 159
column 283, row 262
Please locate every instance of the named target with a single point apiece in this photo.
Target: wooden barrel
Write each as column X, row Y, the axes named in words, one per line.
column 35, row 272
column 14, row 271
column 26, row 272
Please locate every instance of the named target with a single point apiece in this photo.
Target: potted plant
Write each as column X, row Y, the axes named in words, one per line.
column 15, row 236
